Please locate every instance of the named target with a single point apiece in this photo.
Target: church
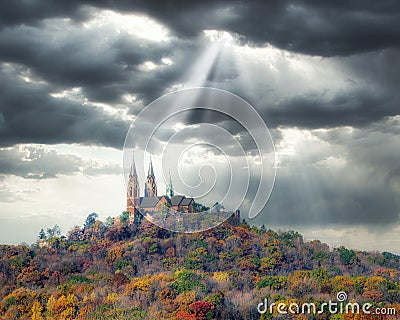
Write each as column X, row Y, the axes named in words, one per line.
column 151, row 202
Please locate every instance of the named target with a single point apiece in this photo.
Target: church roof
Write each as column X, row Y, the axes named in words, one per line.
column 176, row 200
column 166, row 197
column 149, row 202
column 181, row 201
column 186, row 201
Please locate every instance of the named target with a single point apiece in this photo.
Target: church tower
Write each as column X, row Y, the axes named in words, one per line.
column 150, row 187
column 169, row 191
column 133, row 190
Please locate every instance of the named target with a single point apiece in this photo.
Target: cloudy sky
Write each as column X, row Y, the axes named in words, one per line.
column 323, row 75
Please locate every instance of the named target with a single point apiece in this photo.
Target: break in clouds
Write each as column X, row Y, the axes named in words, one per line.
column 324, row 77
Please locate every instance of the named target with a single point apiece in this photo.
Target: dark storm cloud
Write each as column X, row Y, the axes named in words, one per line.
column 373, row 148
column 31, row 115
column 349, row 177
column 369, row 91
column 308, row 197
column 32, row 12
column 36, row 162
column 104, row 60
column 99, row 60
column 106, row 64
column 351, row 108
column 325, row 28
column 103, row 63
column 381, row 68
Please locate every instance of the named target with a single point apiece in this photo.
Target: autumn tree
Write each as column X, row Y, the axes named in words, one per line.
column 90, row 220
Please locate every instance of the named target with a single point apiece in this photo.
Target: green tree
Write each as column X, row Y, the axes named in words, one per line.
column 109, row 221
column 54, row 232
column 124, row 217
column 42, row 235
column 90, row 220
column 346, row 255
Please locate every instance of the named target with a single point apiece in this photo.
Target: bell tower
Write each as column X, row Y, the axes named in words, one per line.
column 150, row 188
column 133, row 189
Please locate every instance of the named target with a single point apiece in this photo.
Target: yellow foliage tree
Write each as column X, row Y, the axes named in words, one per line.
column 64, row 308
column 37, row 311
column 114, row 254
column 221, row 276
column 141, row 284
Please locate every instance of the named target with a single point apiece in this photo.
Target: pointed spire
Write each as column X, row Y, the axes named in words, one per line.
column 133, row 167
column 150, row 185
column 151, row 171
column 170, row 189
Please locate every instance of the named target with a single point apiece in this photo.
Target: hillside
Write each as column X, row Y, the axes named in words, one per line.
column 114, row 270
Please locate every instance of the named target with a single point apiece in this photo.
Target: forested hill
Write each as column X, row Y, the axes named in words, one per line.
column 117, row 270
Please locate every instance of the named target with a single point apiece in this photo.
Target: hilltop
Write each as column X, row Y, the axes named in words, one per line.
column 122, row 270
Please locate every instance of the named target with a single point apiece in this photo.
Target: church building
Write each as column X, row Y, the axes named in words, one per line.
column 151, row 202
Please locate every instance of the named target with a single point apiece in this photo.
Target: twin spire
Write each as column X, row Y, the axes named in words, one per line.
column 133, row 172
column 150, row 187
